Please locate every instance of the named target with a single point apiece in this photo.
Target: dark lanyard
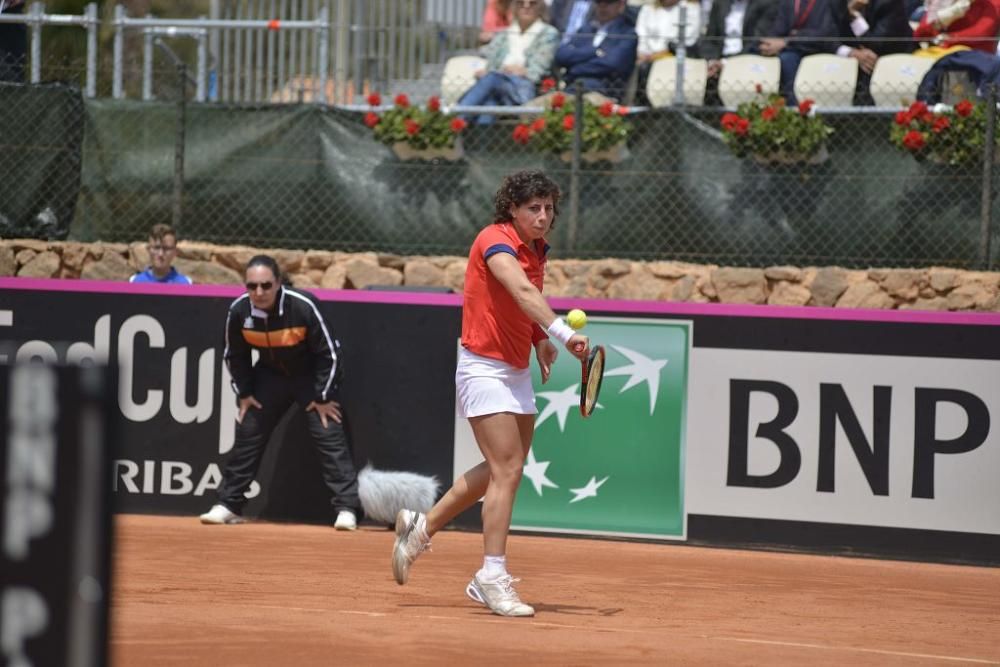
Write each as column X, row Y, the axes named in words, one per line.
column 800, row 19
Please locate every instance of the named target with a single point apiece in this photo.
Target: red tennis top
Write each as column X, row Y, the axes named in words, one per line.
column 493, row 325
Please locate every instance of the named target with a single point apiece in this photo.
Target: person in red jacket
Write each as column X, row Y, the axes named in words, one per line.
column 504, row 318
column 971, row 23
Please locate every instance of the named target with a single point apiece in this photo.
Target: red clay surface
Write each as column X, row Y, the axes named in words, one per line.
column 280, row 594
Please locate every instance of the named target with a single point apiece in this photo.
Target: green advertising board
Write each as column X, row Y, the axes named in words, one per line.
column 620, row 471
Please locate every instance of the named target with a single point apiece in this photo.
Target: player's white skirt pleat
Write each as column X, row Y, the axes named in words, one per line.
column 487, row 386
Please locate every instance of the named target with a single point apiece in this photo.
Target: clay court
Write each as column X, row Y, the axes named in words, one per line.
column 280, row 594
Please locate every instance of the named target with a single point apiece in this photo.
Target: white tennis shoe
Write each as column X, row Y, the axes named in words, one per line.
column 346, row 520
column 411, row 541
column 499, row 596
column 221, row 515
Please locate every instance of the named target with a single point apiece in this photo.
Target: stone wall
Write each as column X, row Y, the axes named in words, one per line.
column 923, row 289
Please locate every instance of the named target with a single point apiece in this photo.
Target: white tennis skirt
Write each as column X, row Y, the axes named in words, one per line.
column 486, row 386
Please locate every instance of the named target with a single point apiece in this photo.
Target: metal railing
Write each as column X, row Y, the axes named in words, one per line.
column 36, row 18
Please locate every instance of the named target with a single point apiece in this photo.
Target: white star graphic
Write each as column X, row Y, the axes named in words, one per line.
column 642, row 369
column 559, row 404
column 588, row 491
column 535, row 471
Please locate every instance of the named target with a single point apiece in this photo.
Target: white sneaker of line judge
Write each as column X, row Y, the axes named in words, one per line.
column 346, row 520
column 221, row 515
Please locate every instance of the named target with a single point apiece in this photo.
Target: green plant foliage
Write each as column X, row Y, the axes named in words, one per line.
column 949, row 135
column 767, row 127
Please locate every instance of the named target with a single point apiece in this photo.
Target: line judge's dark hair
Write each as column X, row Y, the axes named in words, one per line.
column 268, row 262
column 521, row 187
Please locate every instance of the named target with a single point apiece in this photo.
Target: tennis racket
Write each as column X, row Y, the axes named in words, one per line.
column 593, row 374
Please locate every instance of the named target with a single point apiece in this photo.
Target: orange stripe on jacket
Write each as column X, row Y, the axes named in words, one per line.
column 277, row 338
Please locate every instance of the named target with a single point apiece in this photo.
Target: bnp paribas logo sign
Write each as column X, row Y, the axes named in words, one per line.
column 620, row 471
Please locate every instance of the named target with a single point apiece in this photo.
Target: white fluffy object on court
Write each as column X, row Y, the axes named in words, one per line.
column 384, row 492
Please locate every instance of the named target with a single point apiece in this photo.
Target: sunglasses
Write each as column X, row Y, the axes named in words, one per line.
column 266, row 286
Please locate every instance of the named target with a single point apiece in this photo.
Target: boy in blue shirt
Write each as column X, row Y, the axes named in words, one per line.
column 162, row 251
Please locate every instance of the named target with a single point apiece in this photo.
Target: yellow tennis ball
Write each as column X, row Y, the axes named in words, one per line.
column 576, row 318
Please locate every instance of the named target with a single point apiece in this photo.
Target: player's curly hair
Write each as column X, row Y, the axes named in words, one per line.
column 521, row 187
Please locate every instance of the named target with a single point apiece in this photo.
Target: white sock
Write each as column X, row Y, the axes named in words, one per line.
column 494, row 567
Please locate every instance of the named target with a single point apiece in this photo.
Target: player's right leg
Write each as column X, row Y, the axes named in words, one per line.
column 414, row 530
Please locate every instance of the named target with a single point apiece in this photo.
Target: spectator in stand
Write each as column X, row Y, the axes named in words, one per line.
column 496, row 17
column 568, row 16
column 801, row 28
column 873, row 28
column 602, row 54
column 162, row 252
column 957, row 23
column 734, row 27
column 13, row 43
column 658, row 31
column 516, row 60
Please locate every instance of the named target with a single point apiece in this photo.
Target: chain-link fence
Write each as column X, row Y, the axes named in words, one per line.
column 313, row 176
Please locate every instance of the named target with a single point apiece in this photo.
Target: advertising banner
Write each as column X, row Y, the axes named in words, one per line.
column 621, row 471
column 846, row 439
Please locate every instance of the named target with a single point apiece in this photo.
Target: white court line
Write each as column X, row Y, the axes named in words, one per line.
column 903, row 654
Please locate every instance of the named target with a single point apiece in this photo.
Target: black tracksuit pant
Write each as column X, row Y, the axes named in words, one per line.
column 276, row 393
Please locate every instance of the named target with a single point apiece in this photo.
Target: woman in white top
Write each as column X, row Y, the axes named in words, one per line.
column 658, row 28
column 516, row 60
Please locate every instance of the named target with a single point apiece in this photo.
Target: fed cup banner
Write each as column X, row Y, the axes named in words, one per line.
column 619, row 472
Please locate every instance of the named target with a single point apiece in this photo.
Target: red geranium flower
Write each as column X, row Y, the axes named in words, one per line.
column 903, row 118
column 805, row 106
column 729, row 121
column 568, row 123
column 458, row 124
column 558, row 100
column 964, row 108
column 759, row 88
column 412, row 126
column 914, row 140
column 742, row 126
column 538, row 125
column 941, row 123
column 548, row 84
column 522, row 134
column 374, row 99
column 606, row 109
column 917, row 109
column 434, row 103
column 402, row 101
column 769, row 113
column 371, row 119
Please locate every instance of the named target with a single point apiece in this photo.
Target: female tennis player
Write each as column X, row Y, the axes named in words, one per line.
column 503, row 317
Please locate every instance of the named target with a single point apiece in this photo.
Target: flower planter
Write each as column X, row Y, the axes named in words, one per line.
column 615, row 154
column 782, row 158
column 406, row 153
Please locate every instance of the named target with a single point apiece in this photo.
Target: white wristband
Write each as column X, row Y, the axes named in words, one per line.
column 561, row 331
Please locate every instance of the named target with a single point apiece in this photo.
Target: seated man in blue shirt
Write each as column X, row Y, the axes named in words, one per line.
column 162, row 251
column 602, row 53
